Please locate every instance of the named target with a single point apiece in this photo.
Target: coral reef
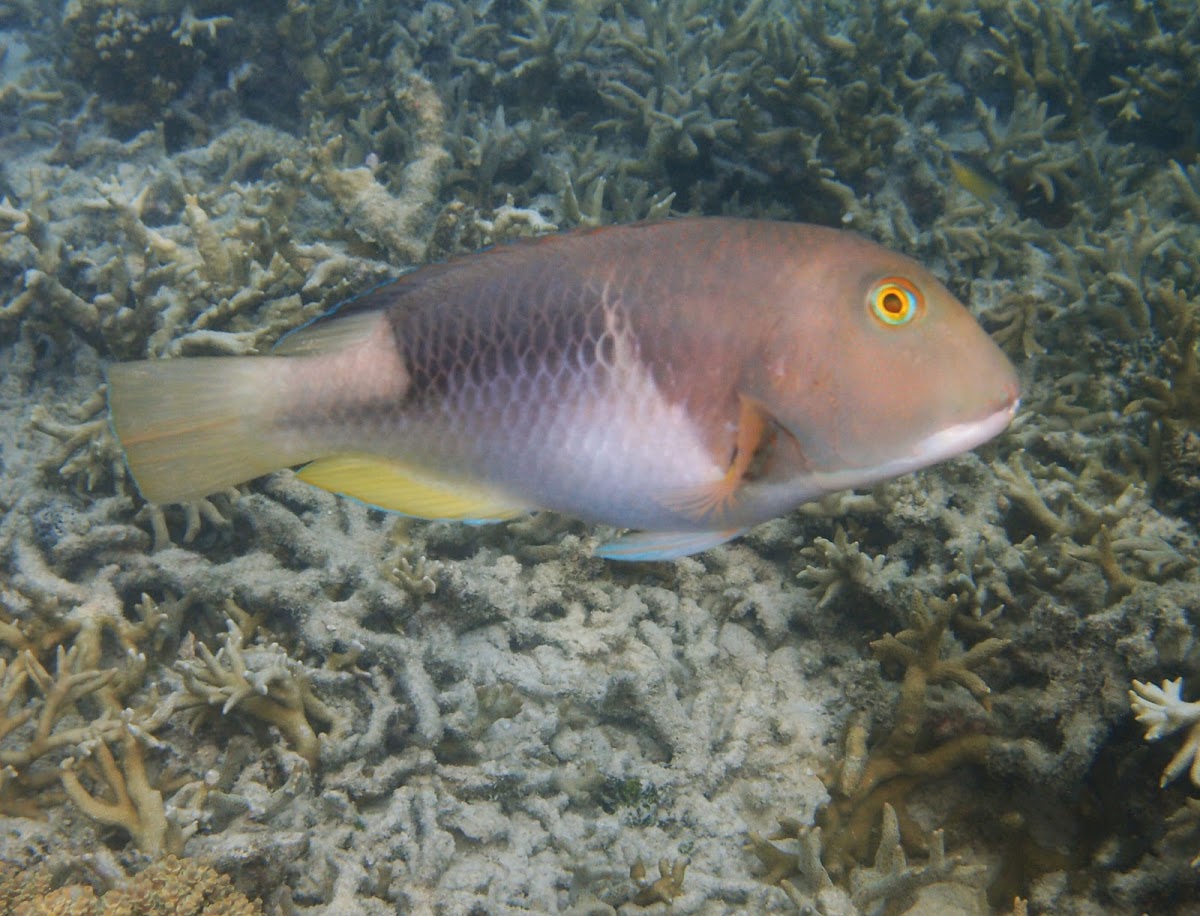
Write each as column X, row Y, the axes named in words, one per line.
column 181, row 887
column 347, row 713
column 265, row 683
column 1163, row 711
column 888, row 879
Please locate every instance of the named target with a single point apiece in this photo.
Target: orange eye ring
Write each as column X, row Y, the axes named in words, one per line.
column 895, row 301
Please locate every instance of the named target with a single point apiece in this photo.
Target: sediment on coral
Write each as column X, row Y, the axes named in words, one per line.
column 347, row 714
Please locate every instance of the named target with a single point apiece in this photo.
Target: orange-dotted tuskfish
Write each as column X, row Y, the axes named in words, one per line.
column 688, row 378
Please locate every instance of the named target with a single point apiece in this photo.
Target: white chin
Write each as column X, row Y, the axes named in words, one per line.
column 946, row 443
column 962, row 438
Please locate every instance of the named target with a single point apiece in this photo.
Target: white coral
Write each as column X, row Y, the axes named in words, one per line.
column 1163, row 711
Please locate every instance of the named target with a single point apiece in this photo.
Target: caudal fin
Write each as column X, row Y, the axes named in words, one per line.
column 190, row 427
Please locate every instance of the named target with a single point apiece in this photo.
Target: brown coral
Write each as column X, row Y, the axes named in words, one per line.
column 906, row 757
column 127, row 800
column 172, row 887
column 179, row 887
column 262, row 682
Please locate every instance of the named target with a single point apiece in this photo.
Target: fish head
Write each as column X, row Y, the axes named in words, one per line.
column 875, row 369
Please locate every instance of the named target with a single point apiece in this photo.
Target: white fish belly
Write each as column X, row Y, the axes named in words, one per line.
column 614, row 460
column 604, row 446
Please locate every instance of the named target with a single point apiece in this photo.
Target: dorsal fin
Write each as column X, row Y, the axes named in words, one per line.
column 325, row 335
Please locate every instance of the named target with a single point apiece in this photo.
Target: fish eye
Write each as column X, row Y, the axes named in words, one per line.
column 895, row 301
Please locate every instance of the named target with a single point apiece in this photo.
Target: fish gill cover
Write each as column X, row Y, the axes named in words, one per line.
column 906, row 699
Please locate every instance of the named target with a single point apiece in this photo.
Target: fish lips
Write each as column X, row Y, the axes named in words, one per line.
column 944, row 444
column 962, row 437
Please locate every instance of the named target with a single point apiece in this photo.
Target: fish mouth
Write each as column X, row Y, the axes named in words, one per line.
column 962, row 437
column 940, row 446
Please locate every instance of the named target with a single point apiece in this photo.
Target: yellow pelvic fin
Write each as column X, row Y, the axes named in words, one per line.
column 390, row 485
column 712, row 501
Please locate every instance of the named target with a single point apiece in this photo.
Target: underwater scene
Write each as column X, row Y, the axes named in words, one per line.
column 947, row 659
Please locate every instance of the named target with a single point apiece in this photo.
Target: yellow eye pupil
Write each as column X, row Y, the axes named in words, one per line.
column 896, row 301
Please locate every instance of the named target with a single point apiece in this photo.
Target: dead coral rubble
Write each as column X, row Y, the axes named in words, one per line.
column 258, row 171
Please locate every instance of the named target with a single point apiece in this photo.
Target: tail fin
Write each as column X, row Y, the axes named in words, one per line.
column 190, row 427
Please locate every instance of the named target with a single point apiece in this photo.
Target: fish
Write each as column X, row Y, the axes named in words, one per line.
column 1037, row 196
column 684, row 379
column 973, row 176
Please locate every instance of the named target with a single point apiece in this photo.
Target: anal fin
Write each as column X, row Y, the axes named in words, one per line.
column 398, row 488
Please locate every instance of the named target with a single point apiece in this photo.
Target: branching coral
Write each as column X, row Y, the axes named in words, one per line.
column 843, row 567
column 412, row 572
column 1088, row 517
column 216, row 234
column 1173, row 399
column 125, row 797
column 890, row 878
column 1126, row 260
column 78, row 710
column 43, row 722
column 393, row 221
column 918, row 649
column 262, row 682
column 60, row 692
column 1177, row 397
column 1187, row 183
column 1163, row 711
column 884, row 774
column 663, row 889
column 71, row 724
column 88, row 456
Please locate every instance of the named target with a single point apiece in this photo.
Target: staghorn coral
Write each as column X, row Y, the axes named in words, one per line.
column 871, row 777
column 393, row 221
column 845, row 568
column 89, row 454
column 1088, row 526
column 1162, row 711
column 1173, row 401
column 263, row 682
column 890, row 878
column 492, row 722
column 128, row 800
column 664, row 889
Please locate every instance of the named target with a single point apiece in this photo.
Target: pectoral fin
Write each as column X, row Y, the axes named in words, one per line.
column 714, row 501
column 398, row 488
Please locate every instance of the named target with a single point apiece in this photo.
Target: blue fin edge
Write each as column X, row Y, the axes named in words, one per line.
column 663, row 545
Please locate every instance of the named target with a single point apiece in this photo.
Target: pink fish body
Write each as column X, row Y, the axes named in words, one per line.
column 688, row 378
